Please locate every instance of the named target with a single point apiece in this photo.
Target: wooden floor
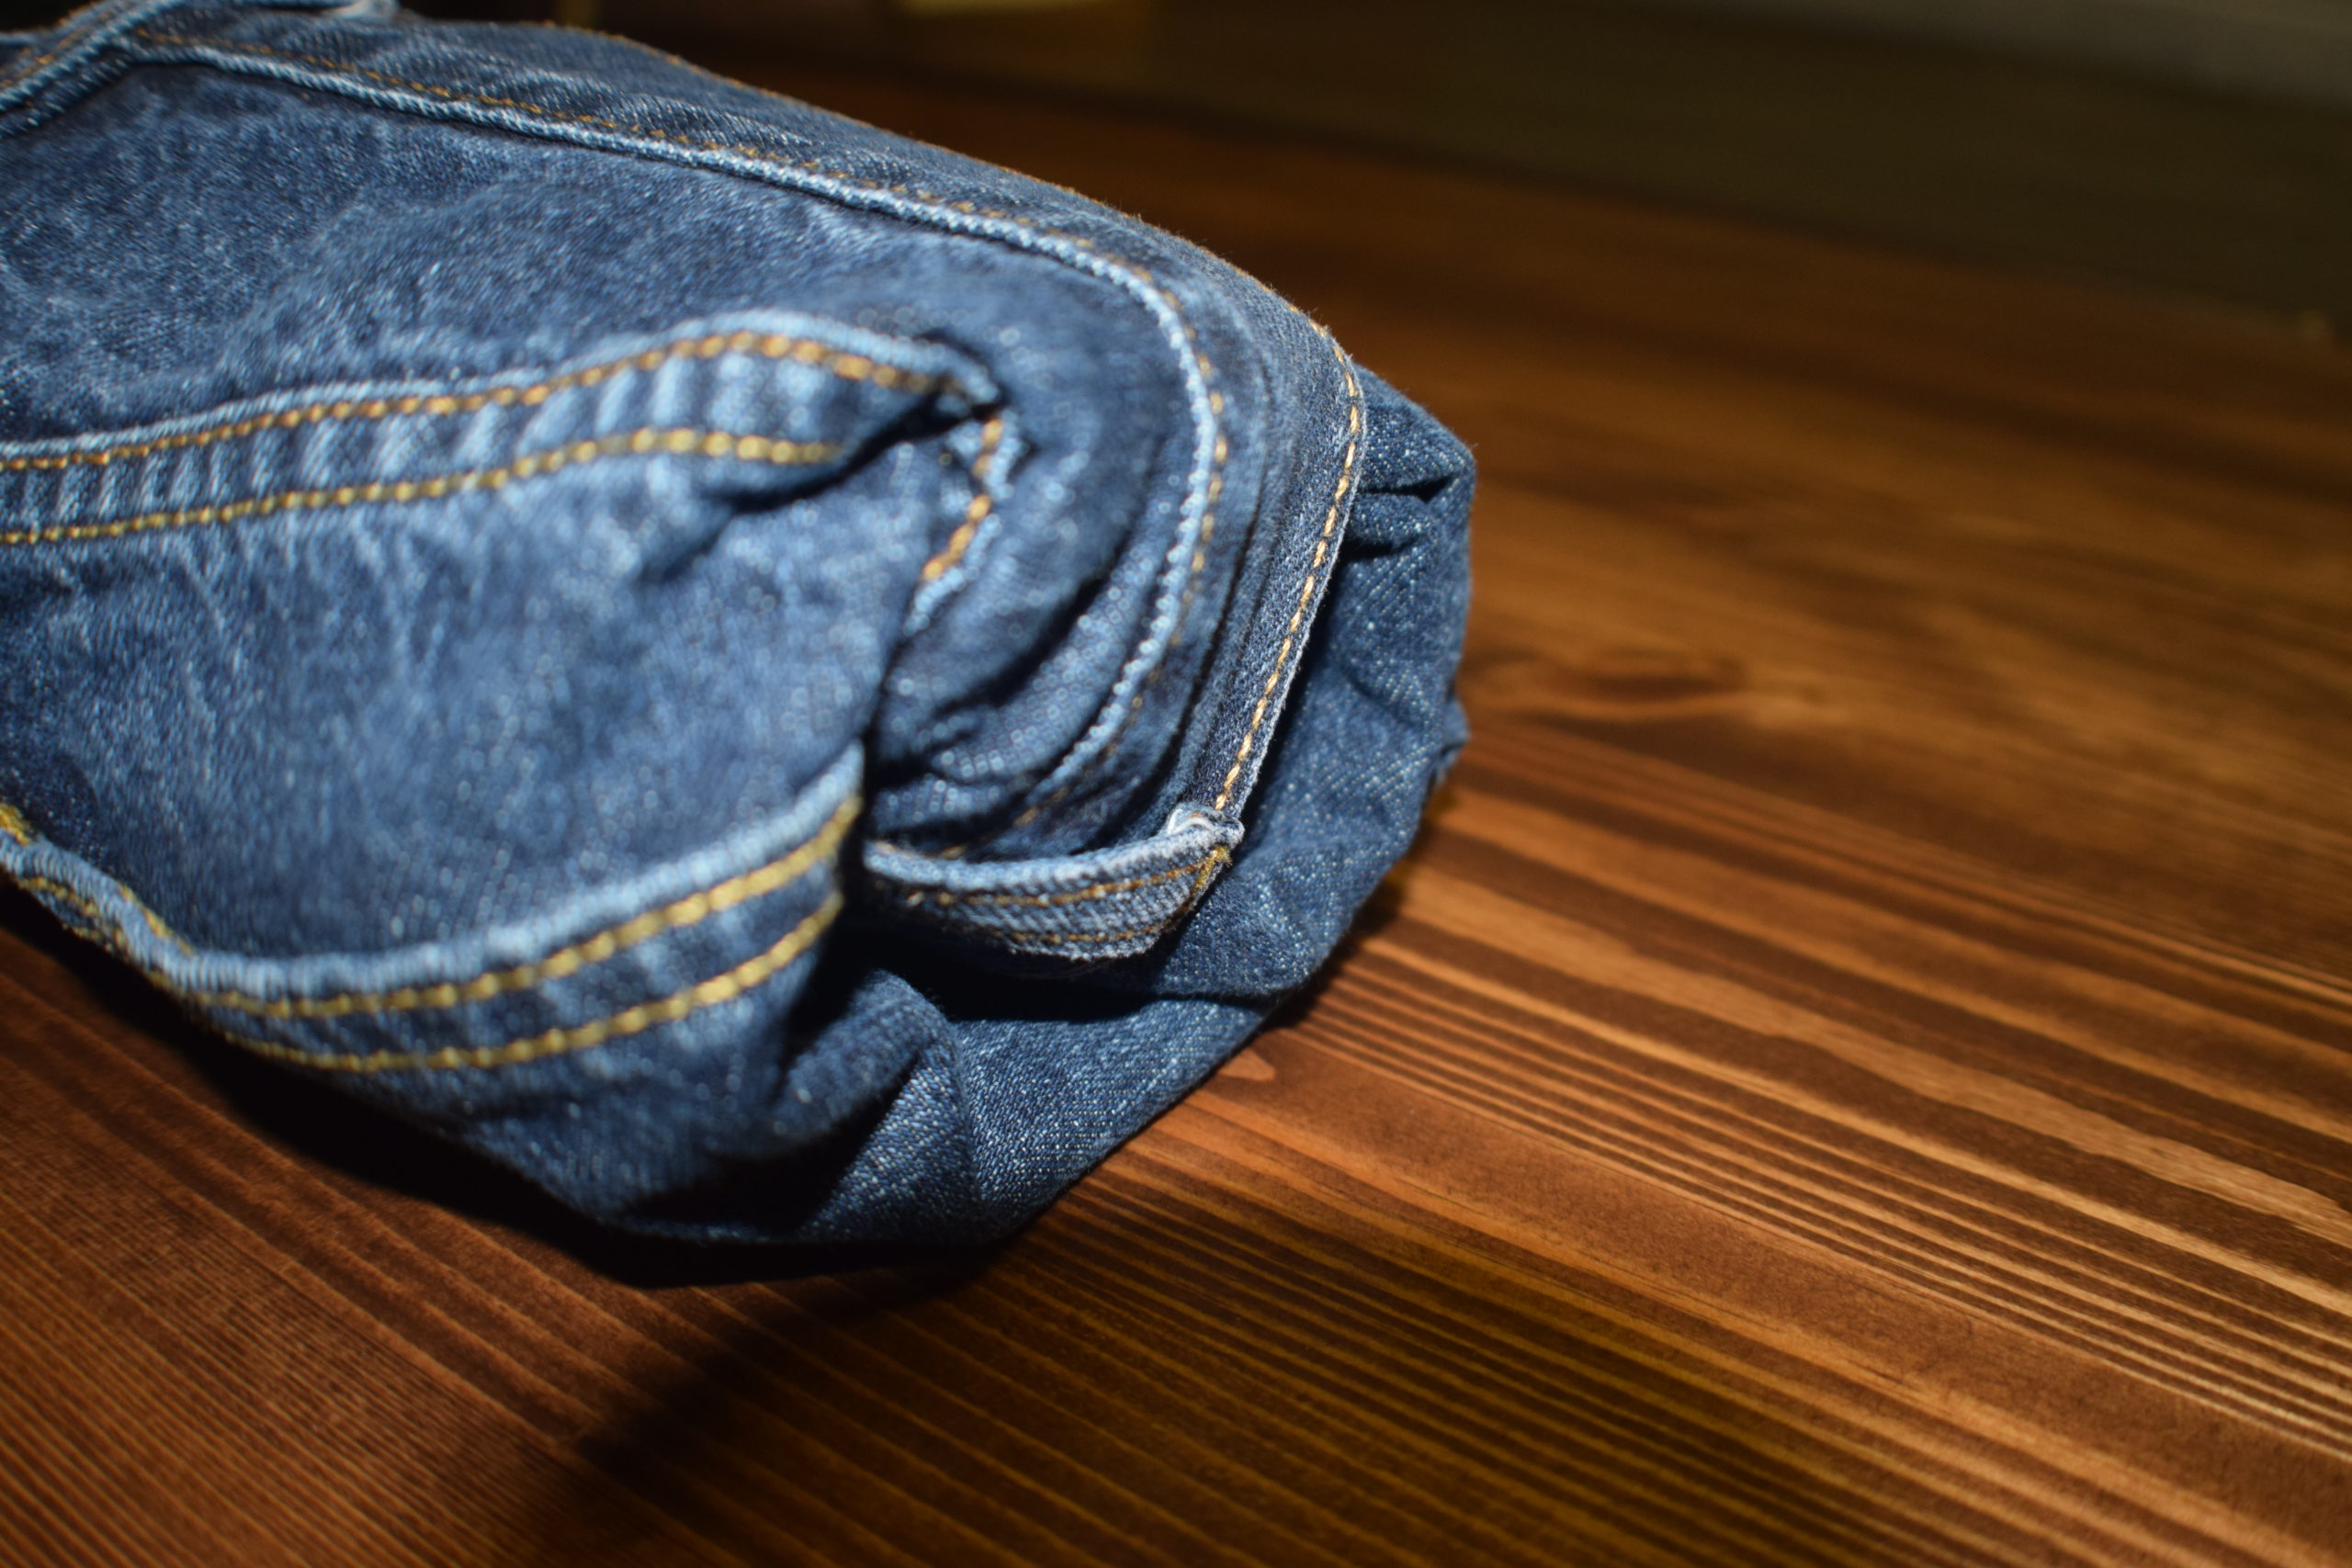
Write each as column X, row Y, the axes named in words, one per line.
column 1858, row 1071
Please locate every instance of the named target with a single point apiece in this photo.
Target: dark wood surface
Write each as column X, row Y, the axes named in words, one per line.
column 1859, row 1070
column 1830, row 122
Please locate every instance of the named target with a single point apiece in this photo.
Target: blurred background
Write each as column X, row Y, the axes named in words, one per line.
column 2194, row 146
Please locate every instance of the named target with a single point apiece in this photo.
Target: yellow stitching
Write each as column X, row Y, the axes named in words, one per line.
column 26, row 70
column 13, row 823
column 690, row 910
column 1307, row 587
column 1032, row 941
column 713, row 992
column 766, row 345
column 976, row 513
column 64, row 46
column 1074, row 895
column 399, row 493
column 107, row 932
column 558, row 964
column 155, row 921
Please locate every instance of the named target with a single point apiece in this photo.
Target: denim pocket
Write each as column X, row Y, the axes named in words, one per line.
column 390, row 702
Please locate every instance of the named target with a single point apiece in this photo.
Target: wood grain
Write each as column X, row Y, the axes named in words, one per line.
column 1859, row 1070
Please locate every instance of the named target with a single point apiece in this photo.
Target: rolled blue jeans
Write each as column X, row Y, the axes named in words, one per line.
column 785, row 684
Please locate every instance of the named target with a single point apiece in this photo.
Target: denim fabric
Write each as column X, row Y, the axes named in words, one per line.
column 784, row 683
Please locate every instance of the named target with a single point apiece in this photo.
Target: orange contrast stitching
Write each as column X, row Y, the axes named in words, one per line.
column 1031, row 941
column 976, row 513
column 107, row 931
column 66, row 45
column 766, row 345
column 14, row 824
column 561, row 963
column 696, row 443
column 1074, row 895
column 564, row 962
column 1305, row 588
column 1036, row 941
column 713, row 992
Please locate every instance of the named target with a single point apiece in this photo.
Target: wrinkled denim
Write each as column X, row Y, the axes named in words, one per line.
column 785, row 684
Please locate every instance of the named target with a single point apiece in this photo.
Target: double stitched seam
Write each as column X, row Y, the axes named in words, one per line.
column 1134, row 704
column 62, row 46
column 810, row 352
column 13, row 824
column 402, row 493
column 563, row 962
column 714, row 992
column 1038, row 942
column 1133, row 271
column 1323, row 543
column 25, row 71
column 943, row 899
column 102, row 928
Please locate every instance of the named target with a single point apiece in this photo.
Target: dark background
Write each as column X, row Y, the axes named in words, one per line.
column 2196, row 146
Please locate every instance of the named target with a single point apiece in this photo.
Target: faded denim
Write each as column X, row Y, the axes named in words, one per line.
column 783, row 683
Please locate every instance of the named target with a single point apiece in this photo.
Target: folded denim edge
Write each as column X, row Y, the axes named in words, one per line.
column 1119, row 901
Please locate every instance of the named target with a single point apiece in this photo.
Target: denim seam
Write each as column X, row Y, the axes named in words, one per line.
column 678, row 915
column 1308, row 585
column 1290, row 636
column 90, row 32
column 65, row 45
column 104, row 929
column 811, row 352
column 1042, row 942
column 969, row 218
column 977, row 511
column 13, row 824
column 1031, row 941
column 403, row 492
column 943, row 897
column 1134, row 704
column 716, row 991
column 1038, row 941
column 565, row 961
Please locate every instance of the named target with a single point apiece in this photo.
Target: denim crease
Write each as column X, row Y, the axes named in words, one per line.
column 784, row 683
